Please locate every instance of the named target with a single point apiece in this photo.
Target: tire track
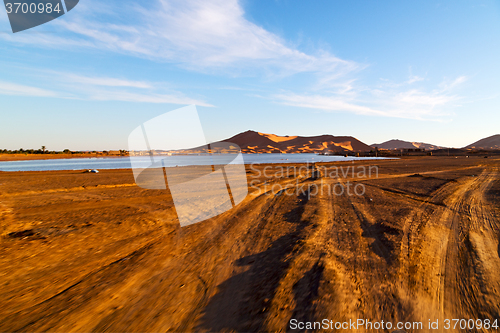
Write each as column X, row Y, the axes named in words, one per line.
column 446, row 264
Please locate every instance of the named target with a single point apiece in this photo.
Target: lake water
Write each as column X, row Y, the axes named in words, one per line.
column 168, row 161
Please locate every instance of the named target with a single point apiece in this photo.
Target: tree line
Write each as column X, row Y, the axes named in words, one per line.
column 39, row 151
column 43, row 150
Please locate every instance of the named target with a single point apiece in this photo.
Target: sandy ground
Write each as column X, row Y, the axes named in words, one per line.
column 87, row 252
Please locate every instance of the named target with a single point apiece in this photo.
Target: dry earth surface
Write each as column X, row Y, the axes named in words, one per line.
column 87, row 252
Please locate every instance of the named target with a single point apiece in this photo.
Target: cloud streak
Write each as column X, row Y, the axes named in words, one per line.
column 105, row 81
column 74, row 86
column 118, row 89
column 124, row 96
column 214, row 36
column 328, row 103
column 13, row 89
column 200, row 35
column 410, row 104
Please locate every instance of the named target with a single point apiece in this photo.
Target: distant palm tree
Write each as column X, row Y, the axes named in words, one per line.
column 43, row 149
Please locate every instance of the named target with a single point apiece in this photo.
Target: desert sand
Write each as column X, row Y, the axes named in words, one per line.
column 93, row 252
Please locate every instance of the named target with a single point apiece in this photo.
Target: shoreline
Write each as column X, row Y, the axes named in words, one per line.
column 42, row 157
column 79, row 167
column 259, row 165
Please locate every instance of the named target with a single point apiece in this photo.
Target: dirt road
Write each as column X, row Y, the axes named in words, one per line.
column 85, row 252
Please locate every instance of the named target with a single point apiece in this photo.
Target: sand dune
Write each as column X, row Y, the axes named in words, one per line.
column 277, row 138
column 489, row 143
column 251, row 141
column 400, row 144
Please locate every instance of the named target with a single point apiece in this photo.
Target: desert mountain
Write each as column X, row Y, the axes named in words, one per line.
column 489, row 143
column 400, row 144
column 256, row 142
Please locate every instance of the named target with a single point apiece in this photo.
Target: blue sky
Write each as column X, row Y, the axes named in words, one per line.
column 377, row 70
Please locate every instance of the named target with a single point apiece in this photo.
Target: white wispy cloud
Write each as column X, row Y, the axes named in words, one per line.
column 449, row 85
column 328, row 103
column 414, row 78
column 411, row 104
column 215, row 36
column 9, row 88
column 119, row 89
column 126, row 96
column 75, row 86
column 105, row 81
column 201, row 35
